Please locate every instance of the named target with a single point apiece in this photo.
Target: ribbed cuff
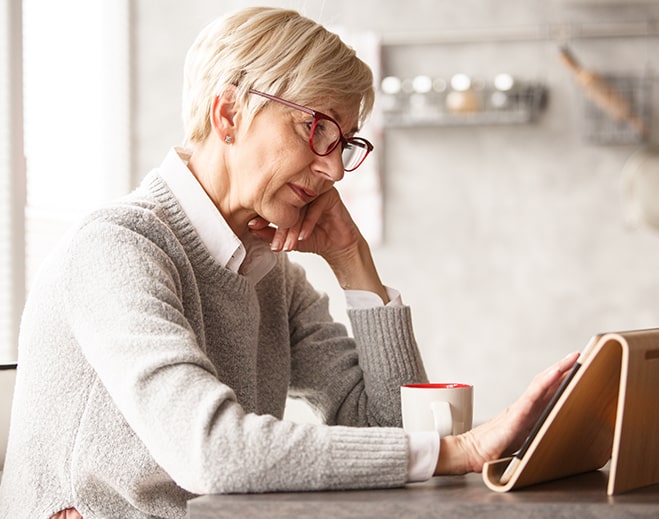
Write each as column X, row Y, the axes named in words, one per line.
column 366, row 458
column 393, row 346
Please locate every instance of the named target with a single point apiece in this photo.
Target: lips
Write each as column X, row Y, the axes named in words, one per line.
column 306, row 195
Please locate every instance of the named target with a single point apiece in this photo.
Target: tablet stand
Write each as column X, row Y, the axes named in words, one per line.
column 609, row 411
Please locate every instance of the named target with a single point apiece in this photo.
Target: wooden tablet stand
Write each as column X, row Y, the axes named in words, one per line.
column 609, row 410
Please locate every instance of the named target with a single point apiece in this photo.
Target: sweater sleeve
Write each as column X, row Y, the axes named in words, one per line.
column 351, row 381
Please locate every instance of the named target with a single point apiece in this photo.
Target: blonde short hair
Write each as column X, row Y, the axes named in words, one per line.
column 272, row 50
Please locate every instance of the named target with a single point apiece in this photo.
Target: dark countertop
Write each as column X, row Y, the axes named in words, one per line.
column 582, row 496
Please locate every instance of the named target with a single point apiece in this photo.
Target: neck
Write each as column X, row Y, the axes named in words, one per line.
column 209, row 166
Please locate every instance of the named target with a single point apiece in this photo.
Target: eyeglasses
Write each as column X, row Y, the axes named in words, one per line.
column 325, row 135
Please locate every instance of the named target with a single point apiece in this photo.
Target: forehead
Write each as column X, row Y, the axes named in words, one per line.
column 345, row 113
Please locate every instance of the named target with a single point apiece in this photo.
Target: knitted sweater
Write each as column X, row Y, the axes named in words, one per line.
column 149, row 374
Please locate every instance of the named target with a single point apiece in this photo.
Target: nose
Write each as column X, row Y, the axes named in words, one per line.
column 330, row 166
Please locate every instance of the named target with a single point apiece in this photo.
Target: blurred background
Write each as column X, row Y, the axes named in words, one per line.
column 512, row 199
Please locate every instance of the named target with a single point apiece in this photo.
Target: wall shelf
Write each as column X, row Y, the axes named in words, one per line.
column 562, row 32
column 487, row 106
column 519, row 116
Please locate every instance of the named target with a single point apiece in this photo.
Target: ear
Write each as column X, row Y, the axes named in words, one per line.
column 224, row 110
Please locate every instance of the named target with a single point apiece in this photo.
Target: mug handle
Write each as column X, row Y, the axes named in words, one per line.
column 442, row 416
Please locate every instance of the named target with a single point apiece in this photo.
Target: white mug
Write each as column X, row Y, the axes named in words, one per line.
column 445, row 408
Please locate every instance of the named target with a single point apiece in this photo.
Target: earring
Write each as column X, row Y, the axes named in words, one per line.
column 228, row 139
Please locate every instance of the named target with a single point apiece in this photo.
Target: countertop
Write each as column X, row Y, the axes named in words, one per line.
column 582, row 496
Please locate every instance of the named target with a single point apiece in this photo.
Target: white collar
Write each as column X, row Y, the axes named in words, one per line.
column 250, row 256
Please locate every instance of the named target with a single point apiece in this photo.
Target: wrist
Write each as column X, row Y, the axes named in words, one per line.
column 453, row 456
column 355, row 270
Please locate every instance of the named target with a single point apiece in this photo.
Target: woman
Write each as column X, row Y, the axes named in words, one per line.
column 162, row 337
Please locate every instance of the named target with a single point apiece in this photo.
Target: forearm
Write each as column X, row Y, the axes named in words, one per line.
column 355, row 270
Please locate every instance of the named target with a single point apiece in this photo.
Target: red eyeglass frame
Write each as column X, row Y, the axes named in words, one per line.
column 318, row 116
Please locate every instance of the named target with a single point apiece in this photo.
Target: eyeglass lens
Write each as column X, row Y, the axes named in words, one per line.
column 326, row 135
column 353, row 155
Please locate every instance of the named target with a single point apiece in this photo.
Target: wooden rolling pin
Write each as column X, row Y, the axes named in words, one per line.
column 602, row 93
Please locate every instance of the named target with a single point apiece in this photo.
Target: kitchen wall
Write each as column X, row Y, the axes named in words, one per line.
column 508, row 241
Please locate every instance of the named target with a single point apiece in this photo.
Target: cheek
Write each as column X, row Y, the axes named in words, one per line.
column 269, row 154
column 261, row 176
column 269, row 164
column 265, row 145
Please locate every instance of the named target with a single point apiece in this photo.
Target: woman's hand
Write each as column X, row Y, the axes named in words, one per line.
column 505, row 433
column 327, row 229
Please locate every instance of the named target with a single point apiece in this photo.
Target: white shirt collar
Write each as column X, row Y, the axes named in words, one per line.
column 249, row 256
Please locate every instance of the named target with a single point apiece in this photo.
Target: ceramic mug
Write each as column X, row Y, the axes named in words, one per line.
column 445, row 408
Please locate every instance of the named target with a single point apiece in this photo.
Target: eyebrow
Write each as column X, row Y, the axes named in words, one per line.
column 338, row 120
column 334, row 115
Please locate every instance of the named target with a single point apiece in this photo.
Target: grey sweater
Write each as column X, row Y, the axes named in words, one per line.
column 148, row 374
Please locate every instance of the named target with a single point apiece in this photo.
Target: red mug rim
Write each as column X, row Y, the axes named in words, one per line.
column 441, row 385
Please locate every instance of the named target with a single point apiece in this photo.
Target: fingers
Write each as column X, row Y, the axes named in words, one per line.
column 279, row 239
column 305, row 226
column 291, row 237
column 543, row 387
column 262, row 229
column 311, row 218
column 561, row 370
column 288, row 239
column 552, row 376
column 285, row 239
column 257, row 223
column 566, row 363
